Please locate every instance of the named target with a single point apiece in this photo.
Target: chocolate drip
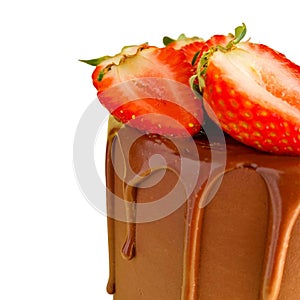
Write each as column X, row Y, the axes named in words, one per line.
column 193, row 240
column 129, row 194
column 276, row 252
column 280, row 226
column 192, row 252
column 110, row 208
column 128, row 249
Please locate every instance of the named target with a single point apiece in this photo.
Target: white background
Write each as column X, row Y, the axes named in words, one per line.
column 53, row 243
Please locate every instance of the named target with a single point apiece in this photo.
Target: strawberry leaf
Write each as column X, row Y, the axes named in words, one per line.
column 239, row 34
column 195, row 57
column 192, row 83
column 167, row 40
column 96, row 61
column 101, row 75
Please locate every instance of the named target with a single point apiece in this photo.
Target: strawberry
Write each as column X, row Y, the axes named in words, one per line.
column 218, row 39
column 148, row 88
column 189, row 46
column 254, row 92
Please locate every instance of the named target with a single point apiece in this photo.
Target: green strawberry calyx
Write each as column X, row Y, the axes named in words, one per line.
column 182, row 37
column 200, row 75
column 95, row 61
column 107, row 61
column 167, row 40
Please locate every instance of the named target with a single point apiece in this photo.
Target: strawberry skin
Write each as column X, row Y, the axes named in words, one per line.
column 148, row 88
column 218, row 39
column 254, row 92
column 189, row 46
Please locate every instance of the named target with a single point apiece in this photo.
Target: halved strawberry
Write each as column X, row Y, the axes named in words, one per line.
column 189, row 46
column 148, row 88
column 218, row 39
column 254, row 92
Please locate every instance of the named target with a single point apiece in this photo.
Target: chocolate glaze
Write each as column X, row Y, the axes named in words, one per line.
column 279, row 174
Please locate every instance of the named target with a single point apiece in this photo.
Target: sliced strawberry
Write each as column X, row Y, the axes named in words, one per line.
column 218, row 39
column 191, row 49
column 148, row 88
column 189, row 46
column 254, row 92
column 181, row 41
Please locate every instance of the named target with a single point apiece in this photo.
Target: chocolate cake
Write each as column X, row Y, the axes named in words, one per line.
column 203, row 181
column 234, row 233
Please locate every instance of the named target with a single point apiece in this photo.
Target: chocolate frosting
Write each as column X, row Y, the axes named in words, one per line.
column 130, row 151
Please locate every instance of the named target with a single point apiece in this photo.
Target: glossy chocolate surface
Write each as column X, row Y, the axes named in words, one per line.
column 242, row 244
